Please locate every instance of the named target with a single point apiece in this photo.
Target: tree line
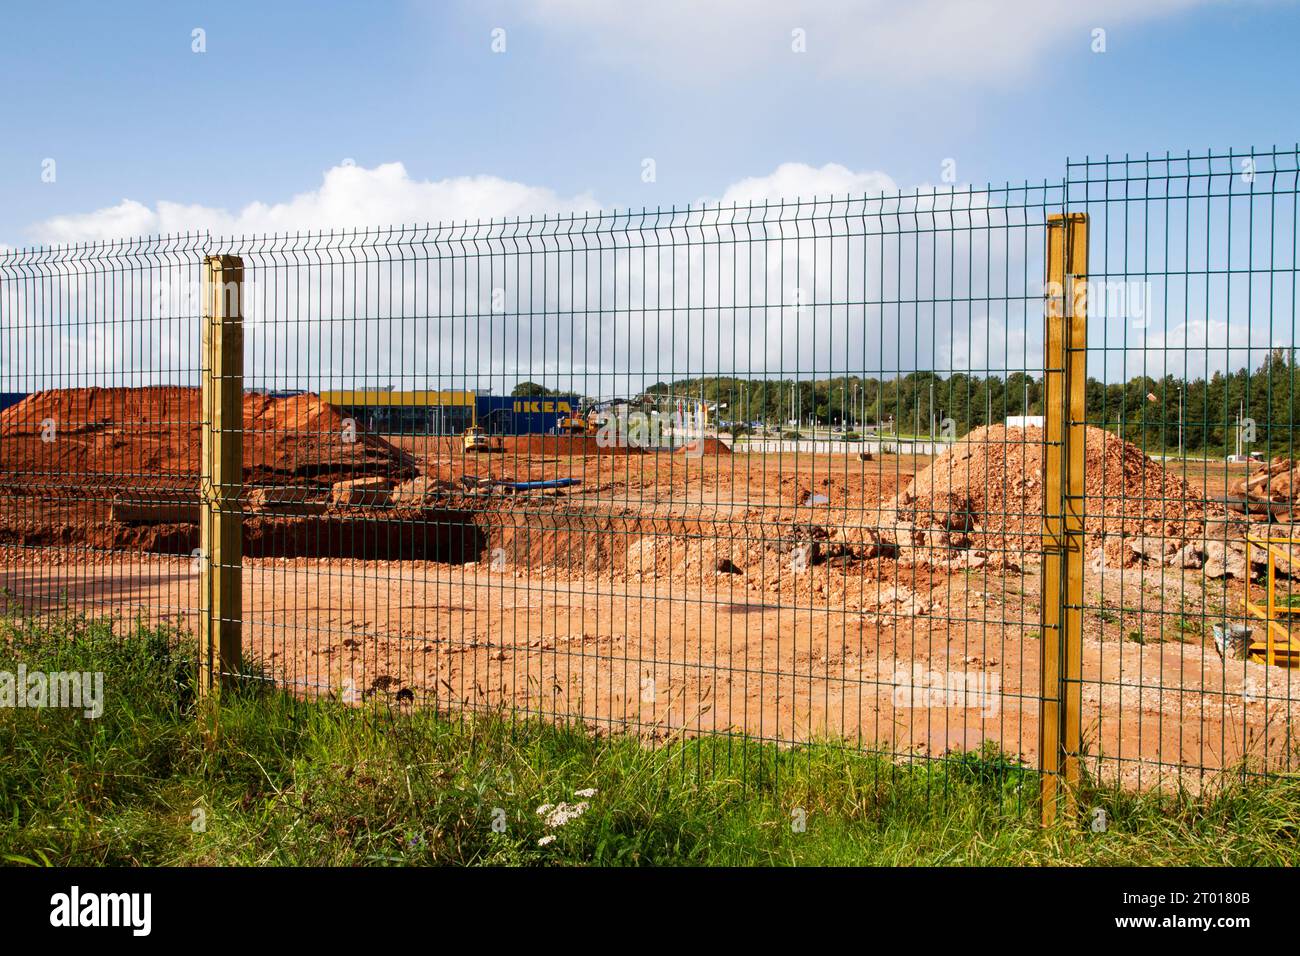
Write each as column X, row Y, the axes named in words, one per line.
column 1154, row 413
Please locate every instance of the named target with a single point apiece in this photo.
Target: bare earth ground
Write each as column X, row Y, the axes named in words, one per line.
column 634, row 627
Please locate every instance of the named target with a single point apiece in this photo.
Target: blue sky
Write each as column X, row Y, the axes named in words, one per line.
column 585, row 92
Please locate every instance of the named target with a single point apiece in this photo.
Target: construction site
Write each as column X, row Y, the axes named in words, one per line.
column 698, row 589
column 897, row 472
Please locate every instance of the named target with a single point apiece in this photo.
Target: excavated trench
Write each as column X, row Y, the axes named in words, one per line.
column 540, row 534
column 449, row 535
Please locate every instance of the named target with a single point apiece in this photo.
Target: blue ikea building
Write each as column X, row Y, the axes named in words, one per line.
column 497, row 414
column 531, row 415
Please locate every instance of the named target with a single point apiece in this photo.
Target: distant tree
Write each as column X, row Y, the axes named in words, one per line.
column 1153, row 413
column 531, row 390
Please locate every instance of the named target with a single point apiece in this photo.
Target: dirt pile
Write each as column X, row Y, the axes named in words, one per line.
column 152, row 436
column 705, row 446
column 986, row 494
column 797, row 564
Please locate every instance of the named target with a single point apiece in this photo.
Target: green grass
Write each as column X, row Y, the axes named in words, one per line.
column 277, row 781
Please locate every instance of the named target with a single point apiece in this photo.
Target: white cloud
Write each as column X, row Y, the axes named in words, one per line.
column 798, row 180
column 349, row 196
column 900, row 41
column 353, row 196
column 591, row 312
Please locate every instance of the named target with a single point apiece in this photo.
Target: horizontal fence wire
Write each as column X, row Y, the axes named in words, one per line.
column 765, row 473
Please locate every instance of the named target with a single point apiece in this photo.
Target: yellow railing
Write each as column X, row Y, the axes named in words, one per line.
column 1278, row 647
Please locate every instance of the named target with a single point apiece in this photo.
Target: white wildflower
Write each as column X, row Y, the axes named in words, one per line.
column 549, row 838
column 561, row 813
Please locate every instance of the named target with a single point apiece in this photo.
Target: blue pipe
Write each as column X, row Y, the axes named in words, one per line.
column 540, row 485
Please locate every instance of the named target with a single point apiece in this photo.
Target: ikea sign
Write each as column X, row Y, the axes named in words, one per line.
column 543, row 406
column 524, row 415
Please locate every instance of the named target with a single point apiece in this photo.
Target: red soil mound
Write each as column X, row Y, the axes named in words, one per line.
column 990, row 485
column 109, row 435
column 706, row 446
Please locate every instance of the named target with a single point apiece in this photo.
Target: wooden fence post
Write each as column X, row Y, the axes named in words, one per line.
column 1065, row 381
column 221, row 474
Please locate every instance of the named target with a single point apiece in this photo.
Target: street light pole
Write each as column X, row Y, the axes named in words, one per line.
column 1180, row 421
column 932, row 415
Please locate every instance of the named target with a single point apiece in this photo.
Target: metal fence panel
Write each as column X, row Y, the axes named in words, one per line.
column 1191, row 361
column 100, row 358
column 772, row 472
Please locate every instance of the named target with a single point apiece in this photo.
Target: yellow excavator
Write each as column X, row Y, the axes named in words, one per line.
column 575, row 425
column 588, row 419
column 475, row 439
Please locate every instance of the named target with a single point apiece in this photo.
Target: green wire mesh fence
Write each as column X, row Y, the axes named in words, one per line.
column 769, row 472
column 1189, row 433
